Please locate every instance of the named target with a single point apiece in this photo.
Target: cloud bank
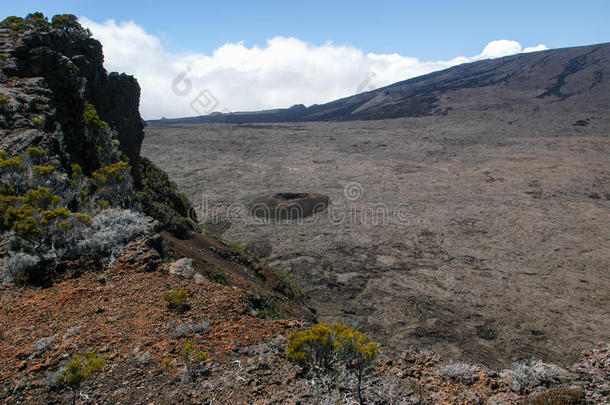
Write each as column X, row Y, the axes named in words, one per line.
column 285, row 72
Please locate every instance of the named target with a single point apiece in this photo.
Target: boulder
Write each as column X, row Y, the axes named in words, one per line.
column 182, row 268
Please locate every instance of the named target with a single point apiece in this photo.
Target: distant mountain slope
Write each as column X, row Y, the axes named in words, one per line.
column 560, row 78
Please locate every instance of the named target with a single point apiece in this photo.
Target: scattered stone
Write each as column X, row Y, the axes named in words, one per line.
column 486, row 332
column 41, row 345
column 182, row 268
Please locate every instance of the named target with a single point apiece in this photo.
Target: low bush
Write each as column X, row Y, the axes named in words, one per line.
column 108, row 233
column 526, row 375
column 92, row 119
column 51, row 215
column 68, row 23
column 312, row 347
column 114, row 184
column 192, row 359
column 18, row 268
column 77, row 371
column 460, row 372
column 323, row 346
column 176, row 299
column 38, row 121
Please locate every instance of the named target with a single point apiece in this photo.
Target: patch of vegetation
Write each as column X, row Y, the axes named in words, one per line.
column 78, row 370
column 192, row 358
column 159, row 198
column 15, row 24
column 526, row 375
column 113, row 184
column 37, row 20
column 68, row 23
column 92, row 119
column 460, row 372
column 4, row 99
column 176, row 300
column 48, row 215
column 287, row 286
column 38, row 121
column 322, row 347
column 168, row 364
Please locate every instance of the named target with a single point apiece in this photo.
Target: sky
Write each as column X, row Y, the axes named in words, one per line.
column 196, row 57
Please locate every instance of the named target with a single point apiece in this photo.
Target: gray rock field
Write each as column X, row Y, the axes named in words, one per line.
column 483, row 235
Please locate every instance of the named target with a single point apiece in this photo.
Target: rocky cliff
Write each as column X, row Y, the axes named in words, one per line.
column 49, row 74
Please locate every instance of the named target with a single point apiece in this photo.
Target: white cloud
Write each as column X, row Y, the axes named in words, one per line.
column 541, row 47
column 502, row 47
column 284, row 72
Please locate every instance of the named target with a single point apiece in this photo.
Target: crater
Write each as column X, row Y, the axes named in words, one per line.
column 280, row 206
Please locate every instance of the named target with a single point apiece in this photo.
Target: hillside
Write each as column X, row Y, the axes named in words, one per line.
column 557, row 80
column 111, row 292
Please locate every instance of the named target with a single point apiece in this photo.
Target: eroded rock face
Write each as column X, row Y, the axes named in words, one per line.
column 46, row 77
column 49, row 77
column 290, row 206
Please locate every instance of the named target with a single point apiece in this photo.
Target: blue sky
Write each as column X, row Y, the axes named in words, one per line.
column 247, row 55
column 426, row 29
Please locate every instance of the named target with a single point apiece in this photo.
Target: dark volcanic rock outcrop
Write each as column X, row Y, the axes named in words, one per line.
column 50, row 75
column 119, row 105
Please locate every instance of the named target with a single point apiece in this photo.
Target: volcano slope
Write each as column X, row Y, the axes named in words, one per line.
column 480, row 232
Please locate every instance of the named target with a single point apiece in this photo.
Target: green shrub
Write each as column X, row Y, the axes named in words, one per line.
column 312, row 347
column 323, row 346
column 37, row 20
column 36, row 155
column 92, row 119
column 16, row 25
column 68, row 23
column 176, row 299
column 191, row 358
column 78, row 369
column 201, row 356
column 4, row 99
column 168, row 364
column 38, row 121
column 187, row 348
column 34, row 201
column 114, row 184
